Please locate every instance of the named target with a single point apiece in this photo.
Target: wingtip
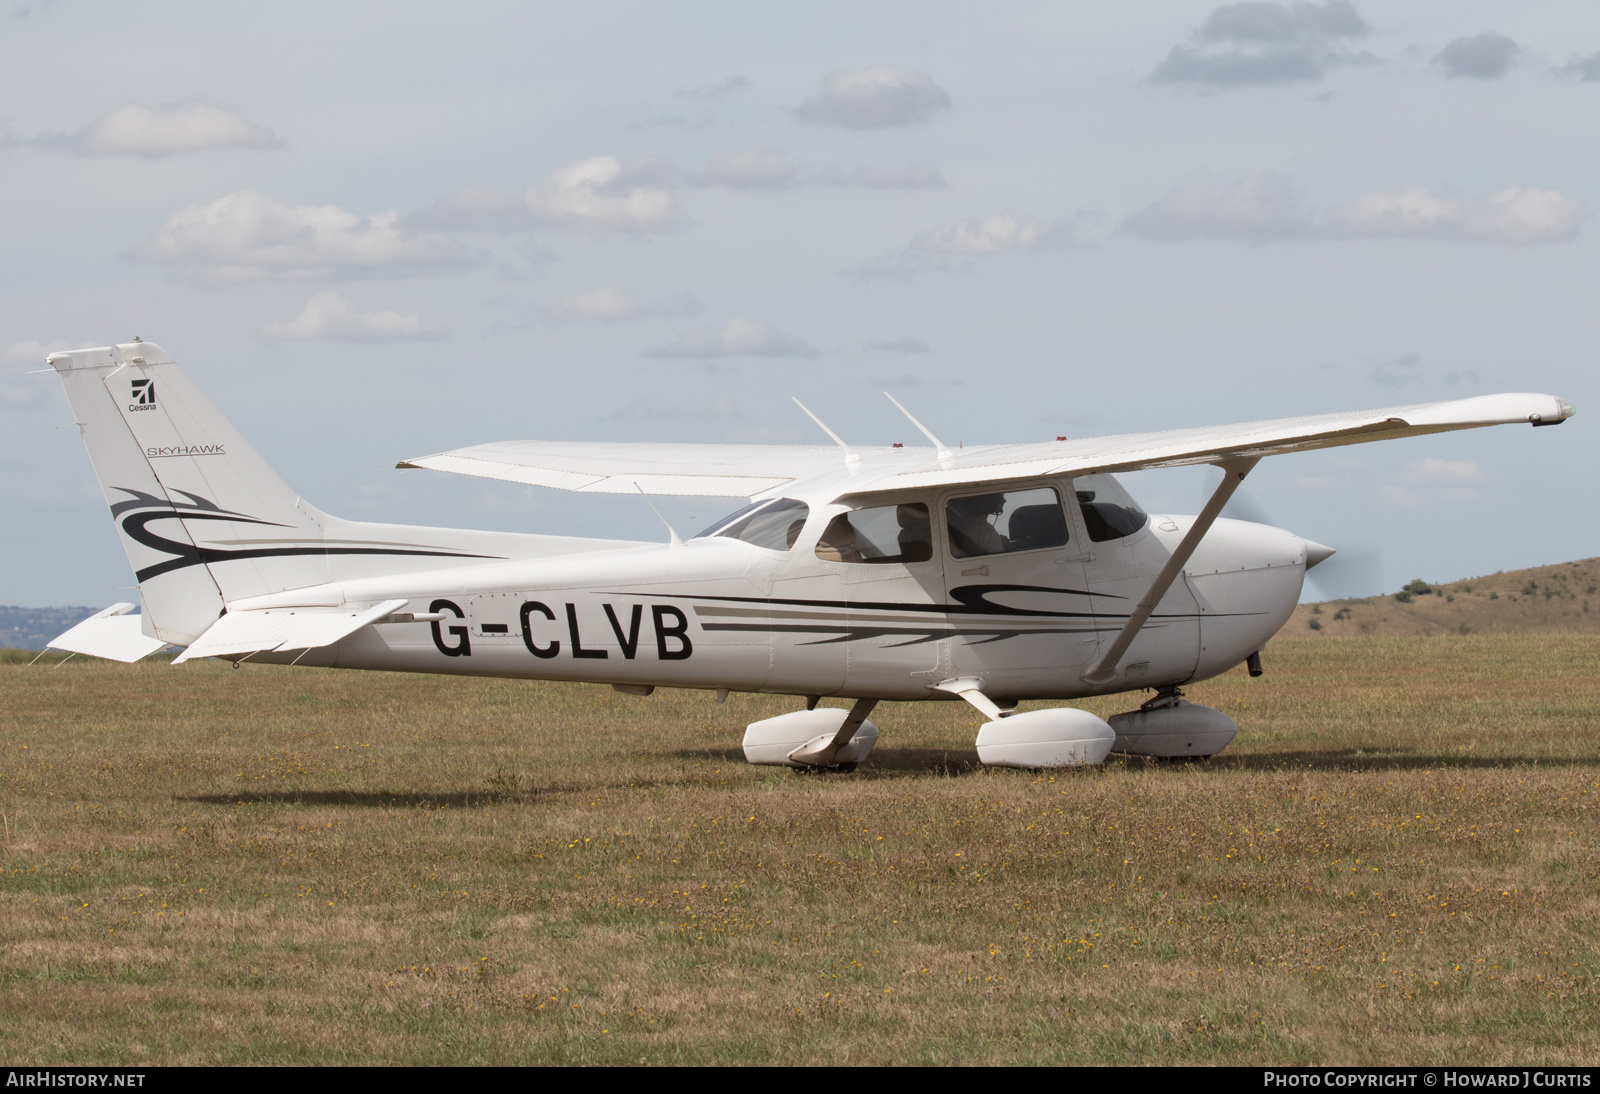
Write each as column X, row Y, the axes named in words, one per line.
column 1564, row 410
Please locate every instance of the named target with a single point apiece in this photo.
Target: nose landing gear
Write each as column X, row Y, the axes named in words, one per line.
column 1170, row 726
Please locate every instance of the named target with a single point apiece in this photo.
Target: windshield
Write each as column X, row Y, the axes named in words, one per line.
column 1108, row 511
column 774, row 524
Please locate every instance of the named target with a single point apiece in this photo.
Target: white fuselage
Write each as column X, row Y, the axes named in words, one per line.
column 720, row 613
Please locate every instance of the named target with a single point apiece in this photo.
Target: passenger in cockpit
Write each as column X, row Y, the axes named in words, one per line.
column 838, row 541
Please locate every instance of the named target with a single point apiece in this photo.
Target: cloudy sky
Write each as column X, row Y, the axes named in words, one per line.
column 374, row 231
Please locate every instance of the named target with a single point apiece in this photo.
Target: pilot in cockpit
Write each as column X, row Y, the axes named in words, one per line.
column 972, row 530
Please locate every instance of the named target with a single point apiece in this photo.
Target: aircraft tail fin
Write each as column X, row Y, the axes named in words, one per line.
column 168, row 472
column 207, row 523
column 204, row 519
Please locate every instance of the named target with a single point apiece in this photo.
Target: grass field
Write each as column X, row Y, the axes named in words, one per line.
column 1395, row 862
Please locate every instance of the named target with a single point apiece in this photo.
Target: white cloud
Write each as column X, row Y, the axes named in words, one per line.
column 593, row 195
column 874, row 98
column 1398, row 495
column 612, row 305
column 600, row 195
column 1486, row 56
column 153, row 132
column 990, row 236
column 1259, row 208
column 1434, row 469
column 1259, row 42
column 249, row 235
column 740, row 337
column 19, row 391
column 330, row 316
column 955, row 246
column 1267, row 207
column 33, row 352
column 156, row 132
column 605, row 195
column 1513, row 216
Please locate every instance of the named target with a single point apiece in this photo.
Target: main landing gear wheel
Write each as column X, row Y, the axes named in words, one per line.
column 824, row 739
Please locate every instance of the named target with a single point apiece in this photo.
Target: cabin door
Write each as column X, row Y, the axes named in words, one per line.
column 1021, row 615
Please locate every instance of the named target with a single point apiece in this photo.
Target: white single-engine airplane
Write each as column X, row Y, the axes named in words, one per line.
column 990, row 574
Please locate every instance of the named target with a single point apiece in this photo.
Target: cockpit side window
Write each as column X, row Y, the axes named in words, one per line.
column 1002, row 523
column 774, row 524
column 1108, row 511
column 883, row 533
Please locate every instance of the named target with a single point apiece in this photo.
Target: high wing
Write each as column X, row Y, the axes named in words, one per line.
column 709, row 470
column 739, row 470
column 1245, row 440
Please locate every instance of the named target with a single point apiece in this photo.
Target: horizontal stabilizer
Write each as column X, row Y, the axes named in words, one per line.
column 268, row 629
column 112, row 634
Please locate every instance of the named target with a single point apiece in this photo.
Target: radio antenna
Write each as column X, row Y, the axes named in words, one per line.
column 944, row 452
column 675, row 541
column 849, row 454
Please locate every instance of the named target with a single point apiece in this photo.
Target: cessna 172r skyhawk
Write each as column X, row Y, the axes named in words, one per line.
column 989, row 574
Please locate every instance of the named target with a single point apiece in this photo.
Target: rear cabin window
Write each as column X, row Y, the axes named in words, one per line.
column 883, row 533
column 774, row 524
column 1006, row 522
column 1108, row 511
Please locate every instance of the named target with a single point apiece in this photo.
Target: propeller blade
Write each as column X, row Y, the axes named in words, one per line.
column 1354, row 571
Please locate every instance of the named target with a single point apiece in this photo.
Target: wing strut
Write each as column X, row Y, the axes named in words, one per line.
column 1233, row 473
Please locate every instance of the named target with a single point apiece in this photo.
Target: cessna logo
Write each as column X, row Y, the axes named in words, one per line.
column 144, row 395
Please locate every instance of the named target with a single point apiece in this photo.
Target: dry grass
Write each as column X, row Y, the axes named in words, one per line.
column 1396, row 862
column 1539, row 600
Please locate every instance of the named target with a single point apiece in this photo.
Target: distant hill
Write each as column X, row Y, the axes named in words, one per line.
column 31, row 628
column 1540, row 600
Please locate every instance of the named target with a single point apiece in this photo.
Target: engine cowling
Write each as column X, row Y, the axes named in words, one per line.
column 770, row 740
column 1179, row 729
column 1062, row 737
